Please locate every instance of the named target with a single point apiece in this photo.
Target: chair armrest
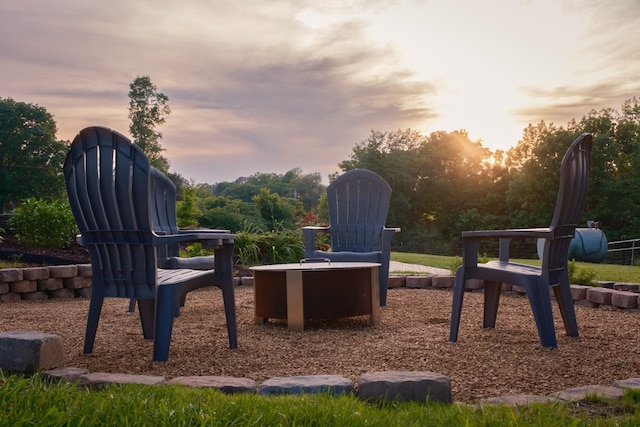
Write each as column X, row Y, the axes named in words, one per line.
column 208, row 240
column 309, row 234
column 202, row 230
column 544, row 233
column 471, row 241
column 387, row 235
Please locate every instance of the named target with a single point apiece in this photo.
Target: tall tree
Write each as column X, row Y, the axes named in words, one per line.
column 147, row 110
column 30, row 157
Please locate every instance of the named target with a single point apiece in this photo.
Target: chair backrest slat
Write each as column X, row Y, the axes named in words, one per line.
column 358, row 201
column 108, row 183
column 572, row 194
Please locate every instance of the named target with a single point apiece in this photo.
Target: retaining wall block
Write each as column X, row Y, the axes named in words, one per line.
column 396, row 281
column 10, row 275
column 49, row 284
column 624, row 299
column 63, row 271
column 23, row 286
column 35, row 273
column 579, row 292
column 419, row 282
column 599, row 295
column 77, row 282
column 30, row 351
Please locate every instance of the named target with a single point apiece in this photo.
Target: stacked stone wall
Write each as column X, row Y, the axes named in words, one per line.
column 74, row 281
column 41, row 283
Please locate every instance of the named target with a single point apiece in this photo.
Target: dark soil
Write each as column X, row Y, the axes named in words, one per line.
column 12, row 249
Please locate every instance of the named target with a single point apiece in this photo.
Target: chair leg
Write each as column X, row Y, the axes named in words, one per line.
column 132, row 305
column 146, row 309
column 565, row 302
column 95, row 308
column 456, row 309
column 167, row 298
column 540, row 301
column 224, row 268
column 228, row 296
column 492, row 292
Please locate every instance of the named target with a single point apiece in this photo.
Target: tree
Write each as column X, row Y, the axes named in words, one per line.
column 30, row 157
column 278, row 211
column 293, row 184
column 147, row 109
column 187, row 210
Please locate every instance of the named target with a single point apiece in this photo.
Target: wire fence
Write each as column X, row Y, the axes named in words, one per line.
column 624, row 252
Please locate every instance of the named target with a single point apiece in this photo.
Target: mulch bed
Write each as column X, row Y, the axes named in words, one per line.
column 412, row 336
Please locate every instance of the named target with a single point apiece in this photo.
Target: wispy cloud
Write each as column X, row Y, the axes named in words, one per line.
column 260, row 86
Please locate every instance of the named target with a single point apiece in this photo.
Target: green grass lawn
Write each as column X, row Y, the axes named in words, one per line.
column 603, row 272
column 34, row 401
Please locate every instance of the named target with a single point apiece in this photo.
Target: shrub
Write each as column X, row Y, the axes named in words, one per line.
column 581, row 276
column 254, row 246
column 457, row 262
column 37, row 222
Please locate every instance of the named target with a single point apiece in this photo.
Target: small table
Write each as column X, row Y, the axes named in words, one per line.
column 316, row 290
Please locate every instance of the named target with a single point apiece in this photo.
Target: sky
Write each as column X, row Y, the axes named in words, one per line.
column 269, row 86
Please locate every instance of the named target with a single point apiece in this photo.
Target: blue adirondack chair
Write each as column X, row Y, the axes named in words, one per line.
column 574, row 175
column 358, row 202
column 163, row 208
column 108, row 181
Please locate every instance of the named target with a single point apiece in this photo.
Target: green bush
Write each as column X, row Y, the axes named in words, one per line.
column 581, row 276
column 254, row 246
column 457, row 262
column 37, row 222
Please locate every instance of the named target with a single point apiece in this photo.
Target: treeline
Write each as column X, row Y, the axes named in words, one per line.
column 445, row 183
column 442, row 183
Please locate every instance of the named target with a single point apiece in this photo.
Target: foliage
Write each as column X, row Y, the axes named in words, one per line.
column 30, row 157
column 195, row 249
column 14, row 261
column 277, row 211
column 435, row 180
column 187, row 211
column 147, row 109
column 229, row 214
column 37, row 222
column 35, row 401
column 581, row 276
column 254, row 246
column 294, row 184
column 457, row 262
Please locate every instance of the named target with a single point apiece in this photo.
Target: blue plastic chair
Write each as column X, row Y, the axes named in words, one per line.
column 165, row 222
column 358, row 202
column 574, row 175
column 108, row 181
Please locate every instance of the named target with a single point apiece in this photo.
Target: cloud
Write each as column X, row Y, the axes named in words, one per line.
column 260, row 86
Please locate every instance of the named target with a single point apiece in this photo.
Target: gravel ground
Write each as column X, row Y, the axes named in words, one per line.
column 413, row 335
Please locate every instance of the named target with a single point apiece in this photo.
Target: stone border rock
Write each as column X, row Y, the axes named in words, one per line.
column 74, row 281
column 29, row 352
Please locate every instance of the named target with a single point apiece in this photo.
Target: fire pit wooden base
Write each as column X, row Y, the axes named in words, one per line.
column 316, row 291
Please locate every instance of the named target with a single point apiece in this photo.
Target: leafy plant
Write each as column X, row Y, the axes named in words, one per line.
column 457, row 262
column 581, row 276
column 454, row 264
column 254, row 246
column 37, row 222
column 195, row 249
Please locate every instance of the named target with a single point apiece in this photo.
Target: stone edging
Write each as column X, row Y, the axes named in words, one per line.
column 31, row 351
column 74, row 281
